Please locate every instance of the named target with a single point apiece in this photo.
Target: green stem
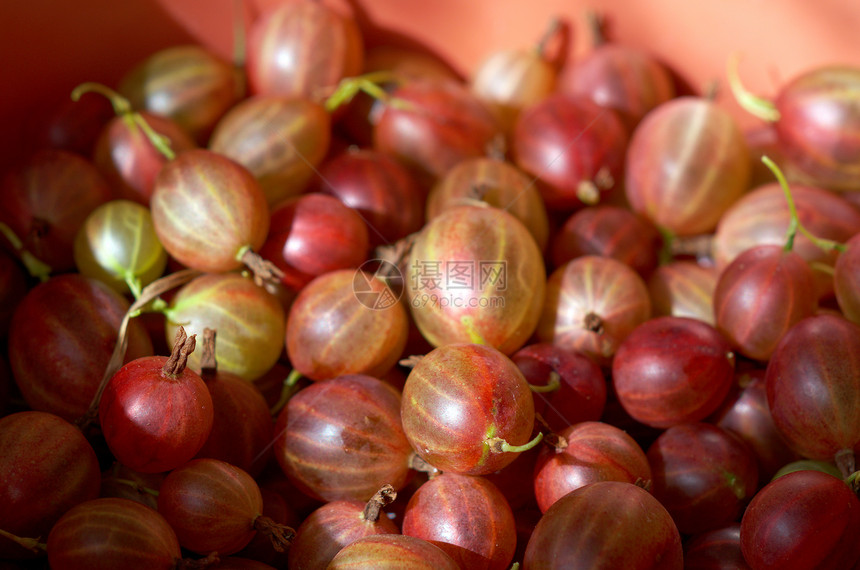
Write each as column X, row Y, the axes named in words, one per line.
column 133, row 283
column 498, row 445
column 35, row 267
column 122, row 107
column 369, row 83
column 794, row 224
column 551, row 386
column 136, row 486
column 31, row 544
column 667, row 252
column 288, row 388
column 758, row 106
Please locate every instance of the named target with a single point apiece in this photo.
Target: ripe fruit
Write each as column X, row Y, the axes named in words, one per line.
column 155, row 413
column 600, row 525
column 475, row 271
column 672, row 370
column 342, row 439
column 48, row 330
column 138, row 538
column 46, row 468
column 467, row 517
column 687, row 163
column 813, row 388
column 823, row 514
column 346, row 322
column 250, row 321
column 467, row 409
column 216, row 507
column 208, row 211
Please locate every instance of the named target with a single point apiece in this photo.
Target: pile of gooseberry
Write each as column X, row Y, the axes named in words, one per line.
column 341, row 305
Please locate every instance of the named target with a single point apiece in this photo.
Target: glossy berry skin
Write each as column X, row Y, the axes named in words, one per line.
column 498, row 183
column 127, row 159
column 459, row 397
column 45, row 200
column 568, row 143
column 746, row 414
column 379, row 188
column 672, row 370
column 581, row 394
column 48, row 330
column 761, row 216
column 479, row 263
column 846, row 280
column 760, row 295
column 331, row 527
column 703, row 475
column 207, row 210
column 686, row 164
column 154, row 421
column 313, row 234
column 718, row 549
column 47, row 467
column 818, row 125
column 813, row 386
column 279, row 139
column 249, row 321
column 342, row 439
column 188, row 84
column 302, row 48
column 610, row 231
column 392, row 552
column 345, row 322
column 606, row 525
column 594, row 451
column 467, row 517
column 822, row 513
column 628, row 80
column 139, row 538
column 592, row 304
column 436, row 125
column 212, row 505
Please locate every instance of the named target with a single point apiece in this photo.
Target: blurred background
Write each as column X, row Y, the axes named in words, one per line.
column 47, row 47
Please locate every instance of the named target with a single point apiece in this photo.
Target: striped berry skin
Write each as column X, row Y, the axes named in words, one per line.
column 459, row 401
column 279, row 138
column 686, row 164
column 188, row 84
column 208, row 211
column 302, row 49
column 467, row 517
column 342, row 439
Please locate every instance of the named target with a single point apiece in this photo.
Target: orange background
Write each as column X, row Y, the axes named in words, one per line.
column 49, row 46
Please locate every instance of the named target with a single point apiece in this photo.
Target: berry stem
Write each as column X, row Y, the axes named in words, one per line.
column 280, row 535
column 551, row 386
column 31, row 544
column 122, row 107
column 794, row 224
column 369, row 83
column 288, row 388
column 499, row 445
column 760, row 107
column 183, row 345
column 381, row 499
column 35, row 267
column 208, row 364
